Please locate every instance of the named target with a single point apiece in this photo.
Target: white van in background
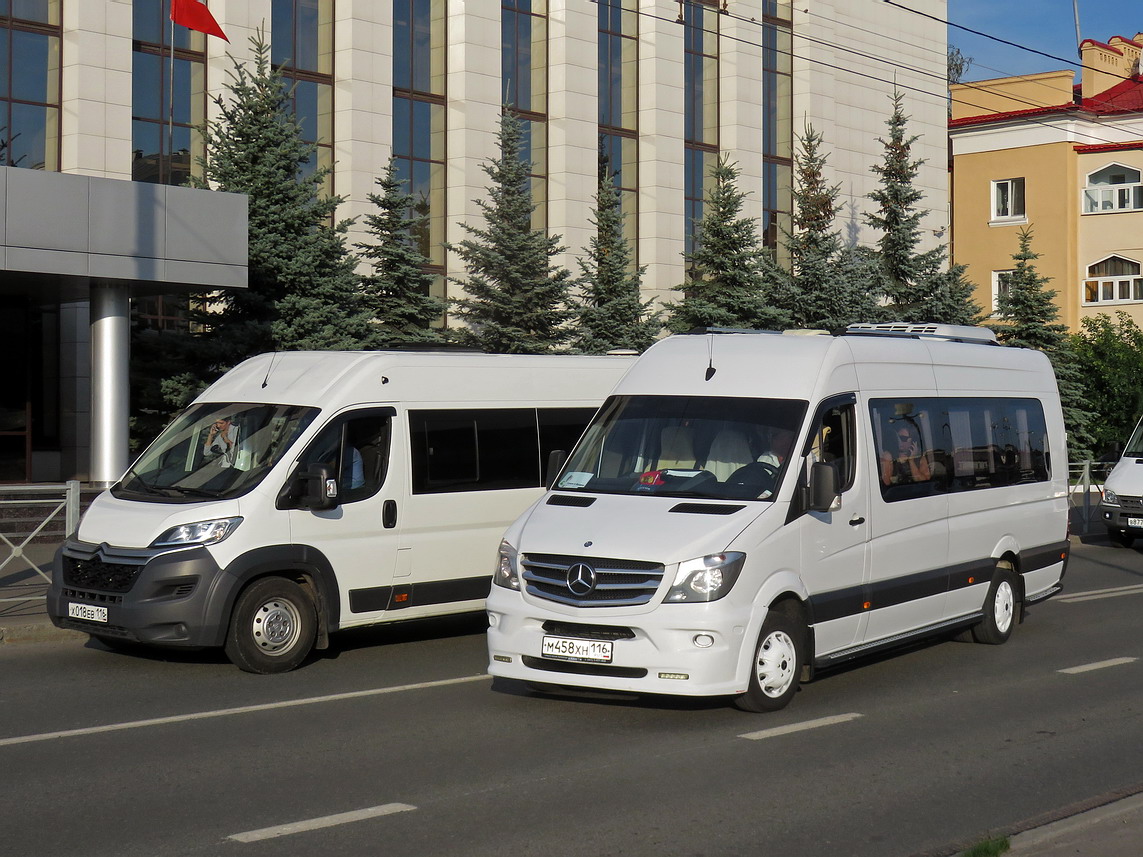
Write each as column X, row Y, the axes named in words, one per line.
column 304, row 493
column 747, row 507
column 1122, row 505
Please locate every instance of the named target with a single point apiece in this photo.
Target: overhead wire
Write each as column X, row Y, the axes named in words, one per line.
column 942, row 96
column 1005, row 41
column 882, row 35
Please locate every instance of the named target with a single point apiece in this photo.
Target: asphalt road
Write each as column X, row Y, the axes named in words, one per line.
column 395, row 744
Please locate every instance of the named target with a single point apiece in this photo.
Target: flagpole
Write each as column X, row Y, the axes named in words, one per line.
column 171, row 105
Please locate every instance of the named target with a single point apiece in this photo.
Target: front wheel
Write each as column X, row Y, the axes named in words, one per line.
column 999, row 610
column 272, row 628
column 777, row 664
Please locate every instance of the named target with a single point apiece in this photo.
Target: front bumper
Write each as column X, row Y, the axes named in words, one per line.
column 1122, row 519
column 652, row 652
column 161, row 597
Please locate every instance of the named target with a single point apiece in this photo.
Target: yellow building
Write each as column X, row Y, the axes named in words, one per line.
column 1064, row 161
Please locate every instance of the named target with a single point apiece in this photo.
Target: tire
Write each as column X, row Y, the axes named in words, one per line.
column 272, row 628
column 777, row 664
column 1001, row 609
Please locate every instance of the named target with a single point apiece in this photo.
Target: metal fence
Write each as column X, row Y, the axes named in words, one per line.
column 33, row 516
column 1085, row 487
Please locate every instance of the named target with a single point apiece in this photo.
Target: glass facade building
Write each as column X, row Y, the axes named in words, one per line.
column 617, row 89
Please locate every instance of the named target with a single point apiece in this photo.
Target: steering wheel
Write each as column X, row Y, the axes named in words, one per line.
column 760, row 474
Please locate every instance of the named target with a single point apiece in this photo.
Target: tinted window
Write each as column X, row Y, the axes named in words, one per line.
column 928, row 445
column 474, row 450
column 355, row 447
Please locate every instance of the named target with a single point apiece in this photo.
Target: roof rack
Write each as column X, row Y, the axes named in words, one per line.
column 702, row 331
column 947, row 332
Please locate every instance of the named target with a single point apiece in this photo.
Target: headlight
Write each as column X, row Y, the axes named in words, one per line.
column 707, row 578
column 1110, row 497
column 198, row 533
column 506, row 574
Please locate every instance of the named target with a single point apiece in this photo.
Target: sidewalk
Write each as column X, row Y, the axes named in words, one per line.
column 22, row 607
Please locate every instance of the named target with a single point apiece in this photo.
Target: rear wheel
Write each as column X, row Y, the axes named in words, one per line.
column 273, row 627
column 999, row 609
column 777, row 664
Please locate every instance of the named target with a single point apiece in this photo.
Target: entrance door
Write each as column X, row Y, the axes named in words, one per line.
column 835, row 543
column 359, row 536
column 18, row 355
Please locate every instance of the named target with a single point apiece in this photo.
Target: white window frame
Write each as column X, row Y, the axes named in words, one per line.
column 996, row 275
column 1112, row 198
column 1113, row 286
column 998, row 188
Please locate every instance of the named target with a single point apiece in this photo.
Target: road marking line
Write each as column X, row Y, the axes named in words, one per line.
column 1095, row 594
column 319, row 823
column 799, row 727
column 1114, row 662
column 228, row 712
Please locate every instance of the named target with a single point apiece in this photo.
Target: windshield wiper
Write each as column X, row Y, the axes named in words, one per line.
column 138, row 480
column 192, row 492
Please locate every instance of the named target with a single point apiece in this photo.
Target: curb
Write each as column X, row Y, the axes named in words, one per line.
column 37, row 632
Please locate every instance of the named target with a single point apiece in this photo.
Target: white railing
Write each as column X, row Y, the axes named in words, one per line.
column 48, row 504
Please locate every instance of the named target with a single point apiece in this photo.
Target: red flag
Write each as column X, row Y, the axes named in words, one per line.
column 195, row 16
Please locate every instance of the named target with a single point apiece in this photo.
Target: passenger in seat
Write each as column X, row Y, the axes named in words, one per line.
column 907, row 463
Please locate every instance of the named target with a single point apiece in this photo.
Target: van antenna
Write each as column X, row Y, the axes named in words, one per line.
column 269, row 369
column 710, row 370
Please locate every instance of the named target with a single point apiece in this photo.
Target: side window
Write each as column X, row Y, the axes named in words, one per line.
column 912, row 451
column 560, row 428
column 834, row 441
column 997, row 442
column 474, row 450
column 355, row 447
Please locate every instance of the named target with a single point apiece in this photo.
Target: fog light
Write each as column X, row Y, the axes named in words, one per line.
column 504, row 659
column 704, row 641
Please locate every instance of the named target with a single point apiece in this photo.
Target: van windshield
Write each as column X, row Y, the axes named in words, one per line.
column 686, row 446
column 1134, row 448
column 214, row 451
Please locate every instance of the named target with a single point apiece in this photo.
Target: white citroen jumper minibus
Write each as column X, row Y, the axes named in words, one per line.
column 747, row 507
column 304, row 493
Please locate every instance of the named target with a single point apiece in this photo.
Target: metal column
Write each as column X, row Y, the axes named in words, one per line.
column 110, row 392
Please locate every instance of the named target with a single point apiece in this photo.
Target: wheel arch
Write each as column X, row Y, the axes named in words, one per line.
column 304, row 565
column 783, row 590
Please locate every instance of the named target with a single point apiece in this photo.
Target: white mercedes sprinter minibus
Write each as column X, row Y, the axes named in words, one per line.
column 747, row 507
column 303, row 493
column 1122, row 503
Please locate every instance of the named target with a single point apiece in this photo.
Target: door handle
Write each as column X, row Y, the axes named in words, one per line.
column 856, row 522
column 389, row 514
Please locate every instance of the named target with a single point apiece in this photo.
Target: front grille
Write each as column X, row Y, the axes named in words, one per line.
column 91, row 597
column 95, row 573
column 578, row 668
column 588, row 632
column 1131, row 502
column 618, row 582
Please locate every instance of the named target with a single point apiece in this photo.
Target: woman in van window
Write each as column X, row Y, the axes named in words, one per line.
column 906, row 463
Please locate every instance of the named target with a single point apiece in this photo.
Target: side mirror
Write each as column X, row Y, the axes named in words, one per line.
column 321, row 488
column 556, row 460
column 822, row 490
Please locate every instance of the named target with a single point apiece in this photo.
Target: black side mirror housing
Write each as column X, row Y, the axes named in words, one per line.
column 822, row 490
column 321, row 488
